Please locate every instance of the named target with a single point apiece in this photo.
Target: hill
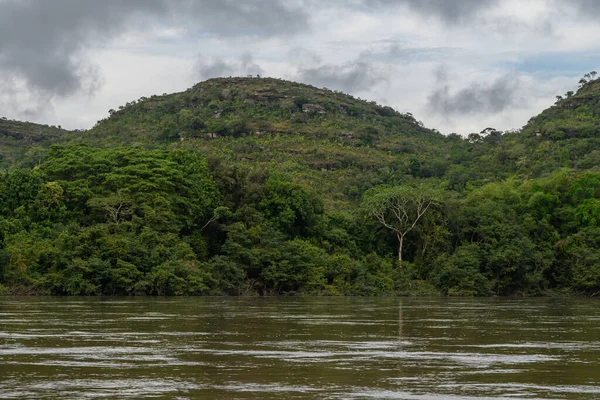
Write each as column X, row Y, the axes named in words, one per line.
column 565, row 135
column 19, row 140
column 237, row 107
column 332, row 142
column 574, row 115
column 247, row 186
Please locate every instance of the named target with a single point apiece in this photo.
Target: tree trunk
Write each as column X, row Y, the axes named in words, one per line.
column 401, row 240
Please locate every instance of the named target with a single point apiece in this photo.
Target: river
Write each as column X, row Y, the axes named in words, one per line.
column 299, row 348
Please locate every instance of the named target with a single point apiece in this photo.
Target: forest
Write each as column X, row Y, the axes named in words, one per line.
column 247, row 186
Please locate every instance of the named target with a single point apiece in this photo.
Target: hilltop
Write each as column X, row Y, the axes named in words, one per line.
column 237, row 107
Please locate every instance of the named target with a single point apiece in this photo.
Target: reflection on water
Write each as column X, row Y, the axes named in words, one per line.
column 299, row 348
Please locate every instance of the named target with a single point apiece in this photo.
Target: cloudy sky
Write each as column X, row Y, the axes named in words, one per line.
column 457, row 65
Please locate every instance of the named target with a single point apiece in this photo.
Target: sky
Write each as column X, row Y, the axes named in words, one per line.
column 457, row 65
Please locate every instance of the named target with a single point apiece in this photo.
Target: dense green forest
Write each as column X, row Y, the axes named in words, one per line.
column 259, row 186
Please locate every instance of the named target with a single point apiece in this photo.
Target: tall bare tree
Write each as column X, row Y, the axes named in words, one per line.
column 400, row 208
column 116, row 206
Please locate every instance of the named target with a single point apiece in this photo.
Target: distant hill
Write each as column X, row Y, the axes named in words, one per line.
column 17, row 137
column 565, row 135
column 237, row 107
column 574, row 115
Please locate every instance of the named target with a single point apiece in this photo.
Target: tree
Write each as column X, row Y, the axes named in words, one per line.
column 291, row 208
column 218, row 213
column 475, row 138
column 116, row 206
column 400, row 208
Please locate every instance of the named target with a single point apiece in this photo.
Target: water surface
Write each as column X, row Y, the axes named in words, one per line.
column 299, row 348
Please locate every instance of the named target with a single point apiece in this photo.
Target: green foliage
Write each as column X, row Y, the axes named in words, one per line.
column 266, row 187
column 291, row 208
column 459, row 273
column 176, row 278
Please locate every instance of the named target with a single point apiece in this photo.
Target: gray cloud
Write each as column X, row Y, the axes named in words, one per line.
column 449, row 11
column 302, row 57
column 587, row 10
column 350, row 78
column 586, row 7
column 248, row 66
column 43, row 43
column 479, row 98
column 207, row 67
column 243, row 18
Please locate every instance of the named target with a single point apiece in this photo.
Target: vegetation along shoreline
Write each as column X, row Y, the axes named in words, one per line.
column 260, row 186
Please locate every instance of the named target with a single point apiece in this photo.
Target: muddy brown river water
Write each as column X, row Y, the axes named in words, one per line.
column 299, row 348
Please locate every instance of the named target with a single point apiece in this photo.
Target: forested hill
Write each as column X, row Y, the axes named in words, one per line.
column 566, row 134
column 243, row 186
column 574, row 115
column 237, row 107
column 26, row 140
